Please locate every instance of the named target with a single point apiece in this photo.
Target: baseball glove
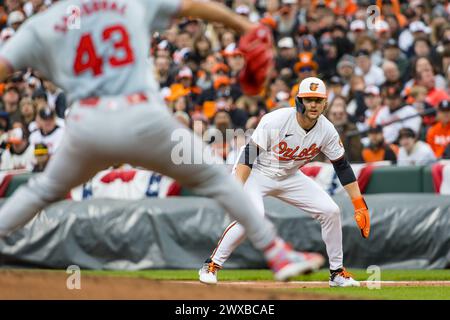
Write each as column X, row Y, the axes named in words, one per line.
column 257, row 48
column 362, row 217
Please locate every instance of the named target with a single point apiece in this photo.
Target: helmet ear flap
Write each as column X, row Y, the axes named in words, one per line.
column 299, row 105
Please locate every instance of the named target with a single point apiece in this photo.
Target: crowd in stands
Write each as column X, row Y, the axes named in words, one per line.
column 388, row 78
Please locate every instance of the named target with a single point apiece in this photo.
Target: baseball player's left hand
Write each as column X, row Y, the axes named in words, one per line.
column 362, row 216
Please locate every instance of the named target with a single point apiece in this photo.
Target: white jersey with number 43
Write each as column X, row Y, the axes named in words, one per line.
column 92, row 47
column 287, row 146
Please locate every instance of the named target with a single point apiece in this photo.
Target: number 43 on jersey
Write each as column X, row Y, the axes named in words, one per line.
column 87, row 58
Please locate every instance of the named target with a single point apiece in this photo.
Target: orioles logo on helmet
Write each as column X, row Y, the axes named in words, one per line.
column 313, row 86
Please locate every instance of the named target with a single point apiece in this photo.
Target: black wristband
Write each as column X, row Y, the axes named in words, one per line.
column 248, row 157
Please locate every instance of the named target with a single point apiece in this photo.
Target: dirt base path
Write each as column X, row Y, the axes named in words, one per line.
column 43, row 285
column 52, row 285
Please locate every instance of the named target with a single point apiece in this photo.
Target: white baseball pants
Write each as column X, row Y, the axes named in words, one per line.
column 298, row 190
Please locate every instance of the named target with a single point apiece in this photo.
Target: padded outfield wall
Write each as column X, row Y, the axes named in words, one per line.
column 408, row 231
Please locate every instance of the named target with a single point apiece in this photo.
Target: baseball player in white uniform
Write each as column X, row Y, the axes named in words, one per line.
column 284, row 141
column 117, row 114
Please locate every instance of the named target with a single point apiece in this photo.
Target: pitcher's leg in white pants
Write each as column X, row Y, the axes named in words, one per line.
column 210, row 180
column 69, row 167
column 234, row 234
column 304, row 193
column 98, row 139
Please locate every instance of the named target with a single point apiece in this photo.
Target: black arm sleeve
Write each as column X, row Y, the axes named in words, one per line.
column 344, row 171
column 249, row 155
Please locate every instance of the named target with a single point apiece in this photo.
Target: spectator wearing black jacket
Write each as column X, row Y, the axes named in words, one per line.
column 327, row 58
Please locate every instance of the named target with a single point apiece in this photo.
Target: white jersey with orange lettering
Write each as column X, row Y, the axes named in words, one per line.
column 288, row 147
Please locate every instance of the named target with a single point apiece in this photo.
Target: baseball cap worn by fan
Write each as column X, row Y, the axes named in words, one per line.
column 372, row 90
column 15, row 17
column 243, row 10
column 46, row 113
column 335, row 80
column 221, row 81
column 185, row 73
column 286, row 43
column 419, row 26
column 357, row 25
column 382, row 26
column 232, row 50
column 346, row 60
column 307, row 43
column 391, row 43
column 305, row 62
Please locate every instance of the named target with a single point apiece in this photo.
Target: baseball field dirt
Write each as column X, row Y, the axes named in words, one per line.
column 234, row 285
column 52, row 285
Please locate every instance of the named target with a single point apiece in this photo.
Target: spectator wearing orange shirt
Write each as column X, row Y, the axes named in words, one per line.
column 438, row 136
column 434, row 95
column 378, row 150
column 392, row 7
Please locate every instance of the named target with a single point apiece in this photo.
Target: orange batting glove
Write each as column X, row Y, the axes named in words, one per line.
column 362, row 217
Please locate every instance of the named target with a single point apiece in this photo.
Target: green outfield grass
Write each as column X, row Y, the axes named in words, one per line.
column 394, row 293
column 252, row 275
column 389, row 293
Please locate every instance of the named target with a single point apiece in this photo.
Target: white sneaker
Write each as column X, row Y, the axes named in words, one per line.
column 342, row 278
column 208, row 272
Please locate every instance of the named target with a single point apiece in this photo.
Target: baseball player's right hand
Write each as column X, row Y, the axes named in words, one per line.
column 257, row 48
column 362, row 216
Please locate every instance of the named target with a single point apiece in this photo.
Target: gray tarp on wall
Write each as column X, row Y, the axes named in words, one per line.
column 408, row 231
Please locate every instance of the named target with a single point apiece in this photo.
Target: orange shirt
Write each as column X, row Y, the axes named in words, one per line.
column 373, row 155
column 370, row 155
column 402, row 20
column 438, row 136
column 270, row 104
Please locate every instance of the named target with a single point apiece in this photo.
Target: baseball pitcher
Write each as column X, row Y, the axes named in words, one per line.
column 97, row 52
column 285, row 140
